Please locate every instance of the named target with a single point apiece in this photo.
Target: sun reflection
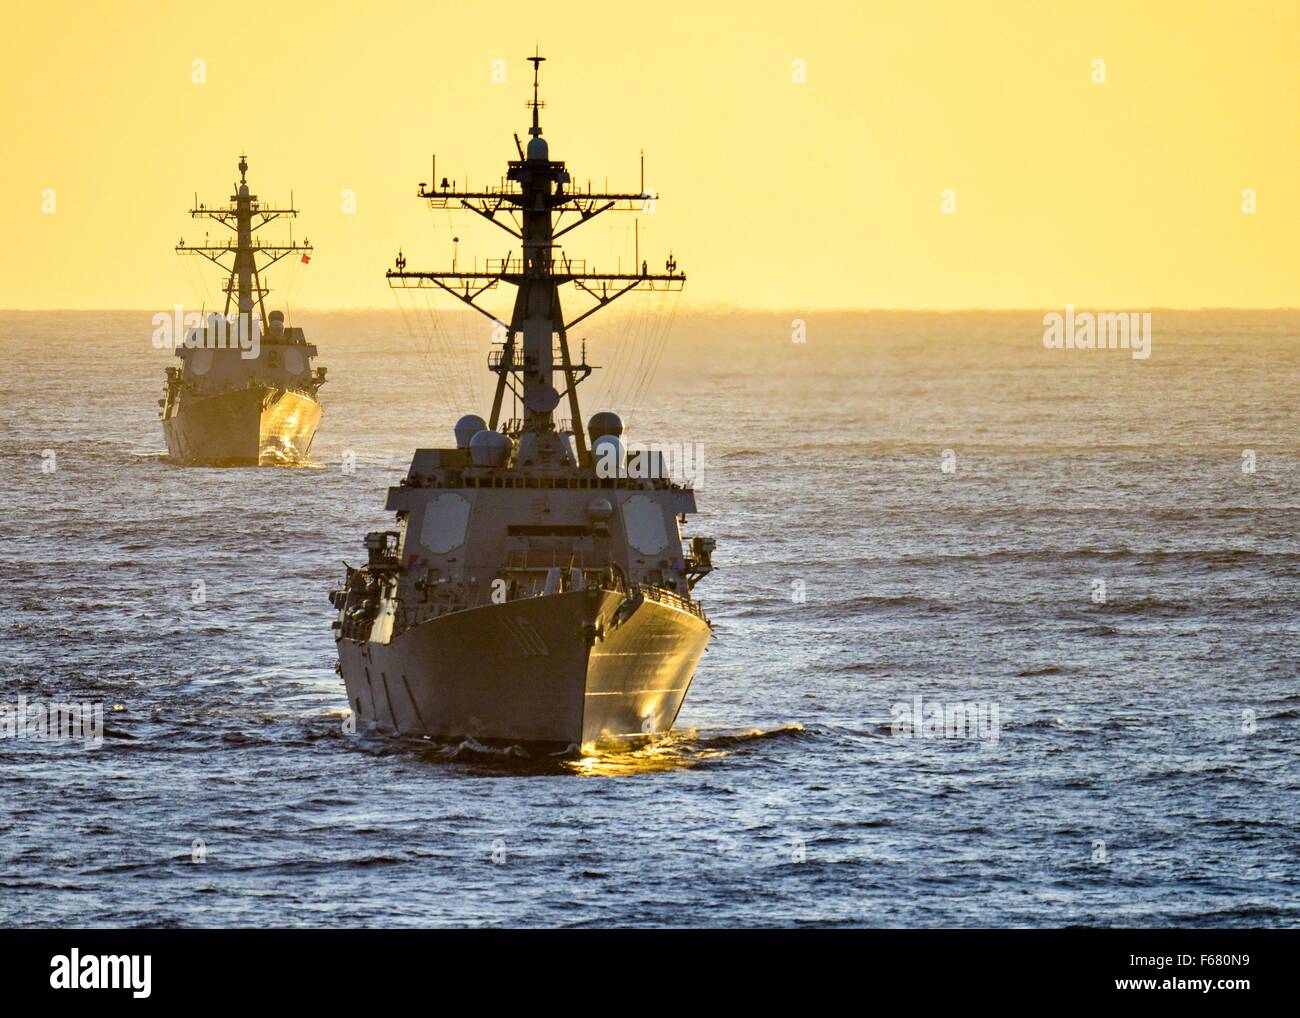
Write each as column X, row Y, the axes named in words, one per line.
column 677, row 751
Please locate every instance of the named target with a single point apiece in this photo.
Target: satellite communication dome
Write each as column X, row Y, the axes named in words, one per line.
column 604, row 423
column 600, row 509
column 466, row 428
column 538, row 149
column 490, row 449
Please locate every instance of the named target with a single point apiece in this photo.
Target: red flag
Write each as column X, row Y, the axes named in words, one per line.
column 306, row 258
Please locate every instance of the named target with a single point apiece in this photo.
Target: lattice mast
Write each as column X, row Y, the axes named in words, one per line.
column 535, row 196
column 245, row 215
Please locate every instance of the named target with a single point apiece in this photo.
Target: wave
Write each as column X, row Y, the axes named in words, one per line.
column 794, row 731
column 1212, row 556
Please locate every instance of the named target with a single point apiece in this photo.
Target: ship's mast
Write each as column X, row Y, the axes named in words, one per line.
column 537, row 303
column 536, row 198
column 245, row 216
column 244, row 253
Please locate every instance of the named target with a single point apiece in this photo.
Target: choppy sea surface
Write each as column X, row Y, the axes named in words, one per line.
column 1103, row 549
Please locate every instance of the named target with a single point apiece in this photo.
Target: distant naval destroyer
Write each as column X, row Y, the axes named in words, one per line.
column 245, row 393
column 537, row 590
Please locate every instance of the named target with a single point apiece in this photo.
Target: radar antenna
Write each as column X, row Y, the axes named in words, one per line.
column 245, row 215
column 532, row 202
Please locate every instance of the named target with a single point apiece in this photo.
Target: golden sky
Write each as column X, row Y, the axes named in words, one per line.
column 774, row 193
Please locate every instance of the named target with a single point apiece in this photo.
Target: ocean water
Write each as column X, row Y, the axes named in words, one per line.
column 1098, row 563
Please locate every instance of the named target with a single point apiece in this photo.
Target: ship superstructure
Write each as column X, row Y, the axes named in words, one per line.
column 246, row 392
column 537, row 588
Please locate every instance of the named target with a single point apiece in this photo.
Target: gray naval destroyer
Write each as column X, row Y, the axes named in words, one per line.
column 537, row 589
column 246, row 392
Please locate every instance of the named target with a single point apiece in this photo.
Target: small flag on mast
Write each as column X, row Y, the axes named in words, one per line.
column 306, row 258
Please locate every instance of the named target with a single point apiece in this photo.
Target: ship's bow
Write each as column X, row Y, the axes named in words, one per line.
column 553, row 671
column 640, row 668
column 287, row 427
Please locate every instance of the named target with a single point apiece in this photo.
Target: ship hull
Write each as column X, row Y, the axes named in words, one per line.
column 527, row 672
column 245, row 427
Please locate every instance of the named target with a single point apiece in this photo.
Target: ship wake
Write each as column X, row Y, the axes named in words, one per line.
column 677, row 750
